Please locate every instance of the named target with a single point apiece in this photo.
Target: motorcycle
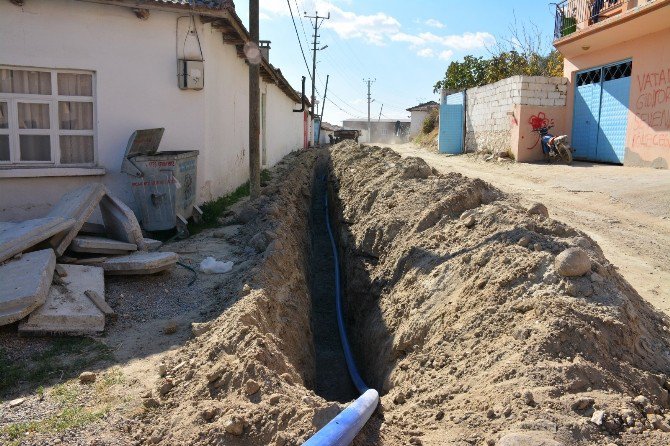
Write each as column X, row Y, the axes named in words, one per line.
column 554, row 147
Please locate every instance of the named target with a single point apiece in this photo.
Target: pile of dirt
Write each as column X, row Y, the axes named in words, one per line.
column 245, row 376
column 462, row 315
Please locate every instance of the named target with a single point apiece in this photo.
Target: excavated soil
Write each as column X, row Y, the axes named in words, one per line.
column 456, row 313
column 470, row 333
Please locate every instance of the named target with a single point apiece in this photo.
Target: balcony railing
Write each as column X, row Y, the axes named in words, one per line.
column 574, row 15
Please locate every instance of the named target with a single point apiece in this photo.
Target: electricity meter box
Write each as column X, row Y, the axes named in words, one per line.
column 191, row 74
column 164, row 184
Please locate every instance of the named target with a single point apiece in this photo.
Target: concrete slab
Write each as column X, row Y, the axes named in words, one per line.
column 24, row 284
column 77, row 204
column 99, row 302
column 99, row 245
column 93, row 229
column 18, row 237
column 153, row 245
column 120, row 222
column 139, row 263
column 67, row 308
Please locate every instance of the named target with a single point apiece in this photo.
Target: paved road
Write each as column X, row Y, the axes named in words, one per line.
column 625, row 209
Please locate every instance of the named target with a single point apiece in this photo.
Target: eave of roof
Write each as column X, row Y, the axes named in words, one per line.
column 426, row 106
column 222, row 16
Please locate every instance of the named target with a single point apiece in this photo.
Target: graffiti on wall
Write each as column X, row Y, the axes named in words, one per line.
column 537, row 122
column 651, row 123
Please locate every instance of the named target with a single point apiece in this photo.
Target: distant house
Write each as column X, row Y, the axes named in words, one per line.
column 327, row 130
column 382, row 130
column 78, row 77
column 418, row 115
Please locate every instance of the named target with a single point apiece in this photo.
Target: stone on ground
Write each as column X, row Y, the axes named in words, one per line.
column 139, row 263
column 121, row 222
column 18, row 237
column 573, row 262
column 89, row 244
column 538, row 209
column 78, row 205
column 527, row 439
column 87, row 377
column 152, row 245
column 67, row 308
column 24, row 284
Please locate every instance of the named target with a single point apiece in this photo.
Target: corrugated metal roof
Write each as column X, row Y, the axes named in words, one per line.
column 424, row 106
column 209, row 4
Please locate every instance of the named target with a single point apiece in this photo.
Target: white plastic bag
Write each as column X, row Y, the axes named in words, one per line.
column 212, row 266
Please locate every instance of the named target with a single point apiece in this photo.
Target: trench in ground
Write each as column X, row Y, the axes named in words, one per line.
column 332, row 380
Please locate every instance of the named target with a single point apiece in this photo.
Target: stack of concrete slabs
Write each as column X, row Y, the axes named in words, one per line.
column 24, row 284
column 67, row 308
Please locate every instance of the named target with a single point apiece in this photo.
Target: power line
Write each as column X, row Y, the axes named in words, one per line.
column 299, row 41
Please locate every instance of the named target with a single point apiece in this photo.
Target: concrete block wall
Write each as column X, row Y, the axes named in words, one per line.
column 489, row 110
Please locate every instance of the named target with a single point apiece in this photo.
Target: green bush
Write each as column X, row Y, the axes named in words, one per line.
column 430, row 122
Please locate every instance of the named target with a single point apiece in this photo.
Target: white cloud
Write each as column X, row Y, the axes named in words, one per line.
column 426, row 52
column 434, row 23
column 446, row 55
column 465, row 41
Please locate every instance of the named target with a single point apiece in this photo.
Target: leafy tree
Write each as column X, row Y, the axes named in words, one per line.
column 522, row 52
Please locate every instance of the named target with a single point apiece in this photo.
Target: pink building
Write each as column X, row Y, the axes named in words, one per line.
column 617, row 62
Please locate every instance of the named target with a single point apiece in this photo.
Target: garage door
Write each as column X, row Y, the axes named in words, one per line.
column 452, row 109
column 601, row 112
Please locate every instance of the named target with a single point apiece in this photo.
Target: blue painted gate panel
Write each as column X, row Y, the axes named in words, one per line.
column 450, row 138
column 600, row 115
column 613, row 120
column 585, row 121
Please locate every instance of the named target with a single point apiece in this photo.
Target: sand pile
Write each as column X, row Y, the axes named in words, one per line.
column 462, row 315
column 244, row 378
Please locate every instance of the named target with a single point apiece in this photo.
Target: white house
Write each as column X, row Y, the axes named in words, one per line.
column 418, row 115
column 78, row 77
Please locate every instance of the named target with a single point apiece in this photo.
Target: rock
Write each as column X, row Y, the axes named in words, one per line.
column 251, row 387
column 527, row 439
column 572, row 262
column 524, row 241
column 209, row 413
column 147, row 394
column 199, row 329
column 246, row 214
column 538, row 209
column 215, row 373
column 490, row 414
column 528, row 398
column 246, row 289
column 507, row 411
column 162, row 370
column 170, row 328
column 537, row 247
column 415, row 440
column 658, row 422
column 470, row 221
column 155, row 439
column 641, row 401
column 16, row 402
column 598, row 417
column 151, row 403
column 582, row 242
column 274, row 399
column 235, row 426
column 582, row 404
column 439, row 415
column 87, row 377
column 165, row 387
column 399, row 399
column 259, row 242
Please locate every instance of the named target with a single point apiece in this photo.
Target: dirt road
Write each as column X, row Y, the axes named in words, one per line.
column 625, row 209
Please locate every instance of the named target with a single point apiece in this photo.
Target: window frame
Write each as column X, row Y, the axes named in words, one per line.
column 55, row 132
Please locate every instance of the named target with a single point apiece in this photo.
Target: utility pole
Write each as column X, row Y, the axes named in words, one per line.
column 369, row 82
column 254, row 104
column 325, row 95
column 318, row 21
column 380, row 113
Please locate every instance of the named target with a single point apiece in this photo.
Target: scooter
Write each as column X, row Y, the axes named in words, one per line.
column 554, row 147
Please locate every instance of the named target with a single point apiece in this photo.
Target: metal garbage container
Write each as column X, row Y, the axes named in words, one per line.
column 164, row 184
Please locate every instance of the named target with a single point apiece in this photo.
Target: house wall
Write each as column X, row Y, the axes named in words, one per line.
column 136, row 87
column 648, row 130
column 490, row 111
column 417, row 118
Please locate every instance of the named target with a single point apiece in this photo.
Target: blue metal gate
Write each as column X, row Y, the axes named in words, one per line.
column 601, row 113
column 452, row 110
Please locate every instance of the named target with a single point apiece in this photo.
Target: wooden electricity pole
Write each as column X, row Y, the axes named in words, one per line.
column 254, row 105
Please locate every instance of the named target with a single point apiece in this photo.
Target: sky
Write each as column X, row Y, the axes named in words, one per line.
column 405, row 46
